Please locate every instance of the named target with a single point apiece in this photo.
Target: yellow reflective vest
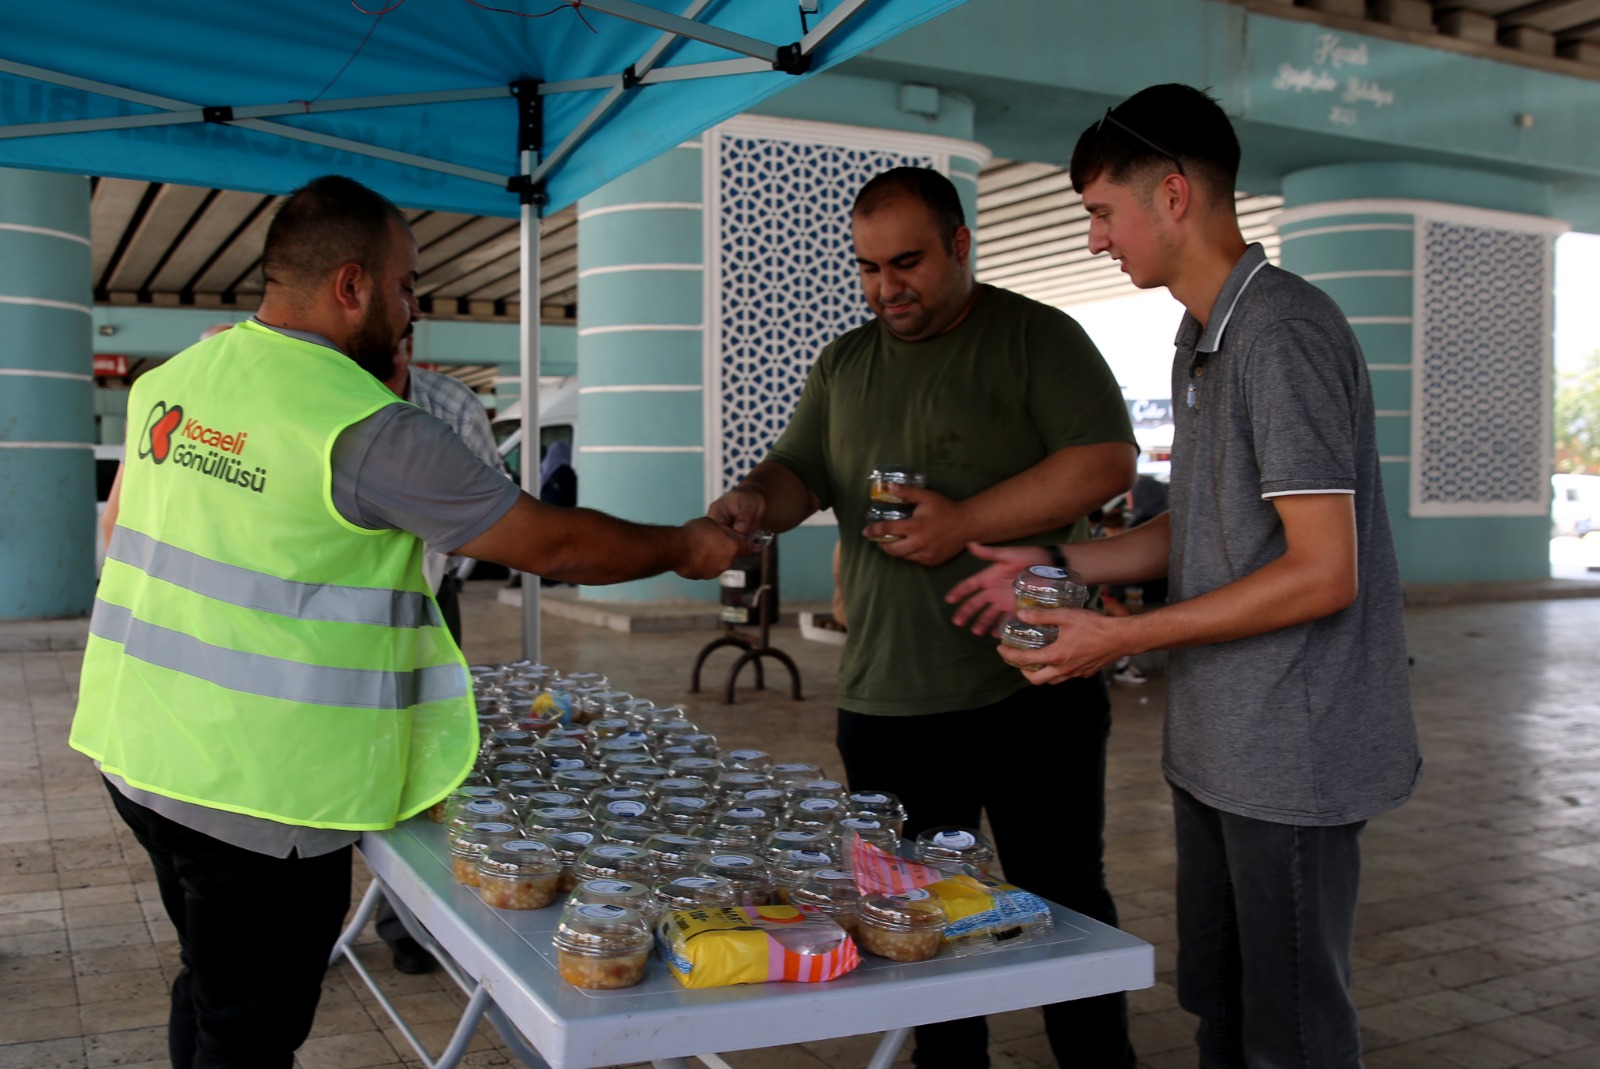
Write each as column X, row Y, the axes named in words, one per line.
column 250, row 649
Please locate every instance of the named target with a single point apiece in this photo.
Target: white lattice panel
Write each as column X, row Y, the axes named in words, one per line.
column 785, row 281
column 1482, row 390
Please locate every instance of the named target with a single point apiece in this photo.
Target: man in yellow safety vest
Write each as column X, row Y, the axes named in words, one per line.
column 267, row 675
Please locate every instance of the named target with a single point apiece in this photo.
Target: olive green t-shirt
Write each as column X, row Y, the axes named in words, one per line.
column 1013, row 383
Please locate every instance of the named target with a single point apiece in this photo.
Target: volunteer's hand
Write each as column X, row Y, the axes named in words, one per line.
column 985, row 599
column 934, row 534
column 740, row 511
column 708, row 550
column 1086, row 643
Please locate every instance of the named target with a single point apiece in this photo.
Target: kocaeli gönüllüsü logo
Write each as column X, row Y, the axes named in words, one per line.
column 213, row 452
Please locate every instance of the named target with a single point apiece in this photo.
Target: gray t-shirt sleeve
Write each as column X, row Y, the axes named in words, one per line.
column 403, row 469
column 1301, row 389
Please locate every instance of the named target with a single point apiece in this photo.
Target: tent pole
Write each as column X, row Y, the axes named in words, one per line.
column 531, row 314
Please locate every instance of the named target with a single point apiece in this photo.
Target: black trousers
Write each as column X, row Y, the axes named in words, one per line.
column 254, row 932
column 1036, row 763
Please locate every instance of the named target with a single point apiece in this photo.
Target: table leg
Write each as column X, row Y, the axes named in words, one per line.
column 369, row 902
column 888, row 1048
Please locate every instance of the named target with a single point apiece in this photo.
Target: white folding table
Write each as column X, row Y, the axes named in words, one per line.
column 504, row 960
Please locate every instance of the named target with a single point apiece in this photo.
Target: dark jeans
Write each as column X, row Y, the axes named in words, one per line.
column 254, row 933
column 1036, row 762
column 1266, row 917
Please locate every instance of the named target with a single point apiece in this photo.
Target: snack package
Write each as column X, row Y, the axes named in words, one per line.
column 983, row 914
column 754, row 945
column 986, row 914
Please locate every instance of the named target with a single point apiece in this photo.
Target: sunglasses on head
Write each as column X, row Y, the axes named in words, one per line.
column 1131, row 132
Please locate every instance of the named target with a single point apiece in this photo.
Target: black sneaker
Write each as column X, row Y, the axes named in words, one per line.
column 411, row 958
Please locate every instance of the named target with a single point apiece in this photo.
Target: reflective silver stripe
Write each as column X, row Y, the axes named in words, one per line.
column 256, row 590
column 273, row 677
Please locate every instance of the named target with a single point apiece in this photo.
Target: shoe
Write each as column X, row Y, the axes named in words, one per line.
column 1130, row 675
column 411, row 958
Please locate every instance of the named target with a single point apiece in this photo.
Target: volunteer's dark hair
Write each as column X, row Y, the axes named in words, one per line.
column 327, row 223
column 1155, row 129
column 925, row 184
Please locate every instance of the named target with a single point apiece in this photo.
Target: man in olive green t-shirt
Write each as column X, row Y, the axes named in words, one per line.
column 1021, row 430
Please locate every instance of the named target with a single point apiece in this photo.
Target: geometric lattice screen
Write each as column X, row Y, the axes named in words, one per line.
column 784, row 281
column 1481, row 395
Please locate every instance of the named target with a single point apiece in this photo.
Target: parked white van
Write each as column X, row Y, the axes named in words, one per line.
column 558, row 422
column 1574, row 504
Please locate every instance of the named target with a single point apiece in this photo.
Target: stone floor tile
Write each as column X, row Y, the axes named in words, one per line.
column 113, row 874
column 120, row 1015
column 27, row 882
column 110, row 935
column 1471, row 1049
column 1406, row 1056
column 36, row 968
column 36, row 993
column 114, row 959
column 101, row 895
column 39, row 1023
column 107, row 913
column 50, row 1054
column 29, row 901
column 355, row 1050
column 434, row 1036
column 1529, row 1033
column 1456, row 1007
column 136, row 1046
column 47, row 920
column 1402, row 1023
column 130, row 984
column 1153, row 1033
column 21, row 946
column 346, row 1017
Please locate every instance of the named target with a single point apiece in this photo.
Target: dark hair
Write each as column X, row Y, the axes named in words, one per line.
column 1153, row 128
column 920, row 183
column 327, row 223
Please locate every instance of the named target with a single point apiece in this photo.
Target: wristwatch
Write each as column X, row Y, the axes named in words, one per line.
column 1057, row 558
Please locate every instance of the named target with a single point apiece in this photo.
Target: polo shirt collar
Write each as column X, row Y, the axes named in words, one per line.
column 1253, row 260
column 299, row 335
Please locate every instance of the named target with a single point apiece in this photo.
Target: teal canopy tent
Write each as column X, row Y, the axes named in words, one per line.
column 517, row 107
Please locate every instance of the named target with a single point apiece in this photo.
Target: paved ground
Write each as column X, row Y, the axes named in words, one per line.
column 1479, row 942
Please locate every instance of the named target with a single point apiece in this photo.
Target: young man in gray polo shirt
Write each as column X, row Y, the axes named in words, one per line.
column 1289, row 717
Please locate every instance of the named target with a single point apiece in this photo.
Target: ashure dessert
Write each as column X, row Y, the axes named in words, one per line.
column 901, row 927
column 519, row 874
column 601, row 947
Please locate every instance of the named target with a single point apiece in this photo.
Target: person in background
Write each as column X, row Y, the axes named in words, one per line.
column 457, row 404
column 266, row 676
column 1288, row 704
column 1020, row 428
column 558, row 480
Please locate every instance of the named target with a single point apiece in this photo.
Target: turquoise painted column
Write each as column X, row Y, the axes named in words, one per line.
column 1447, row 279
column 47, row 509
column 640, row 344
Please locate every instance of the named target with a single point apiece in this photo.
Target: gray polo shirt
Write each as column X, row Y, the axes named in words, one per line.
column 400, row 469
column 1310, row 724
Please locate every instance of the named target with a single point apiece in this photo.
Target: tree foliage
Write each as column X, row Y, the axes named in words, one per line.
column 1578, row 419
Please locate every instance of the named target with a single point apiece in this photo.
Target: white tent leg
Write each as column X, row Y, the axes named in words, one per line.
column 530, row 400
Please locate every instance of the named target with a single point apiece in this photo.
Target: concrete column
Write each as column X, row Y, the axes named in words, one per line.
column 47, row 496
column 1447, row 279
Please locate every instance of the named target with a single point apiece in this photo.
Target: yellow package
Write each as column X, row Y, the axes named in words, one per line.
column 755, row 945
column 988, row 911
